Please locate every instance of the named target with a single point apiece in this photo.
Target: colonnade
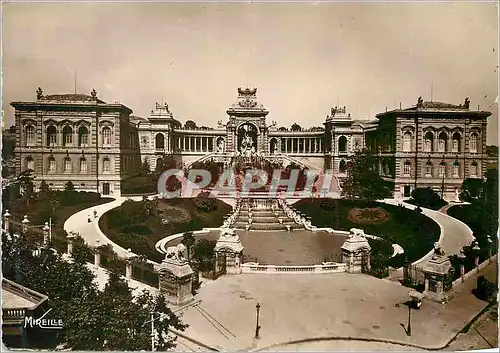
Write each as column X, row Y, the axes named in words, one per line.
column 196, row 143
column 301, row 144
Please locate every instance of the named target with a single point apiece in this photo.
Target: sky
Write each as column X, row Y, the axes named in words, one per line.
column 304, row 58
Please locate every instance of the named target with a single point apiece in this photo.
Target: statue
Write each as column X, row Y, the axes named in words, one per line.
column 93, row 94
column 39, row 93
column 438, row 250
column 420, row 101
column 466, row 103
column 176, row 253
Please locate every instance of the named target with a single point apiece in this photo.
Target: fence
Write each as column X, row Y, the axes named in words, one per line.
column 313, row 269
column 109, row 260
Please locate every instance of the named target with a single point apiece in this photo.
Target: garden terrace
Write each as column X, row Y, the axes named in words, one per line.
column 415, row 232
column 139, row 225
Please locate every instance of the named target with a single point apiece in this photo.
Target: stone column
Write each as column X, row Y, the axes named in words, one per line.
column 70, row 238
column 6, row 220
column 229, row 245
column 97, row 254
column 46, row 230
column 356, row 252
column 176, row 278
column 128, row 263
column 436, row 272
column 25, row 223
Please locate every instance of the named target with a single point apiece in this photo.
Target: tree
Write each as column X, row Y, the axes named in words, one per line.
column 282, row 129
column 363, row 181
column 190, row 125
column 296, row 127
column 204, row 255
column 188, row 240
column 492, row 151
column 109, row 320
column 472, row 189
column 25, row 180
column 176, row 124
column 426, row 197
column 145, row 168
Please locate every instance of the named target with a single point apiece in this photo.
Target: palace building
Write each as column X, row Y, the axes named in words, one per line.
column 96, row 145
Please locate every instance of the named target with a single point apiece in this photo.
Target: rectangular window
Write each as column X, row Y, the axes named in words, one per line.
column 407, row 169
column 442, row 170
column 83, row 166
column 30, row 135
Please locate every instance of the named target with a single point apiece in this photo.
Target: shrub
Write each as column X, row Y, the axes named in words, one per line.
column 205, row 203
column 426, row 197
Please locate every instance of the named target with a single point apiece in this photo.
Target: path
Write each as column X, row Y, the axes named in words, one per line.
column 90, row 232
column 454, row 233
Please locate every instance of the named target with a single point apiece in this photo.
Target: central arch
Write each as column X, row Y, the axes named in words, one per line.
column 247, row 133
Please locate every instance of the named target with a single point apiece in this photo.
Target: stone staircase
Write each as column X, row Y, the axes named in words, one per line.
column 264, row 218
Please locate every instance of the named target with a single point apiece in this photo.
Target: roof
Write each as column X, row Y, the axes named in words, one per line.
column 16, row 296
column 438, row 107
column 70, row 98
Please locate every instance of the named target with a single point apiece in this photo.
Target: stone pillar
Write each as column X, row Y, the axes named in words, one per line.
column 176, row 277
column 128, row 263
column 356, row 252
column 437, row 272
column 70, row 238
column 6, row 220
column 97, row 254
column 229, row 245
column 46, row 230
column 25, row 222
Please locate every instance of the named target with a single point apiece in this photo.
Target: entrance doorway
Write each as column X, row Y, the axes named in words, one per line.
column 407, row 191
column 105, row 188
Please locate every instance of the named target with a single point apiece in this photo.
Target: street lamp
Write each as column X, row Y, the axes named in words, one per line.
column 461, row 257
column 257, row 327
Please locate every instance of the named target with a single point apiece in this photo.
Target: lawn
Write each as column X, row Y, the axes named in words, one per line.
column 59, row 206
column 415, row 232
column 139, row 225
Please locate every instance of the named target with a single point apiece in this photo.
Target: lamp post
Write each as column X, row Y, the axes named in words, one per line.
column 461, row 257
column 257, row 327
column 408, row 331
column 476, row 249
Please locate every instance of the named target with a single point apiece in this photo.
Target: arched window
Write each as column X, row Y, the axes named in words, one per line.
column 83, row 136
column 456, row 170
column 407, row 168
column 442, row 169
column 473, row 170
column 106, row 165
column 30, row 163
column 106, row 136
column 67, row 165
column 428, row 169
column 455, row 142
column 273, row 144
column 473, row 142
column 428, row 142
column 159, row 142
column 83, row 165
column 67, row 136
column 407, row 142
column 30, row 135
column 342, row 144
column 52, row 165
column 159, row 163
column 442, row 142
column 342, row 166
column 51, row 135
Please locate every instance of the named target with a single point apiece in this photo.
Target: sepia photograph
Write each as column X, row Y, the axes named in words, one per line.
column 250, row 176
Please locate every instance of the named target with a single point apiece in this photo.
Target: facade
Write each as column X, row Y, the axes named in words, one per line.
column 431, row 144
column 77, row 138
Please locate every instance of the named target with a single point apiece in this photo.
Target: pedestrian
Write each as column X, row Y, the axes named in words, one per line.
column 88, row 219
column 95, row 213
